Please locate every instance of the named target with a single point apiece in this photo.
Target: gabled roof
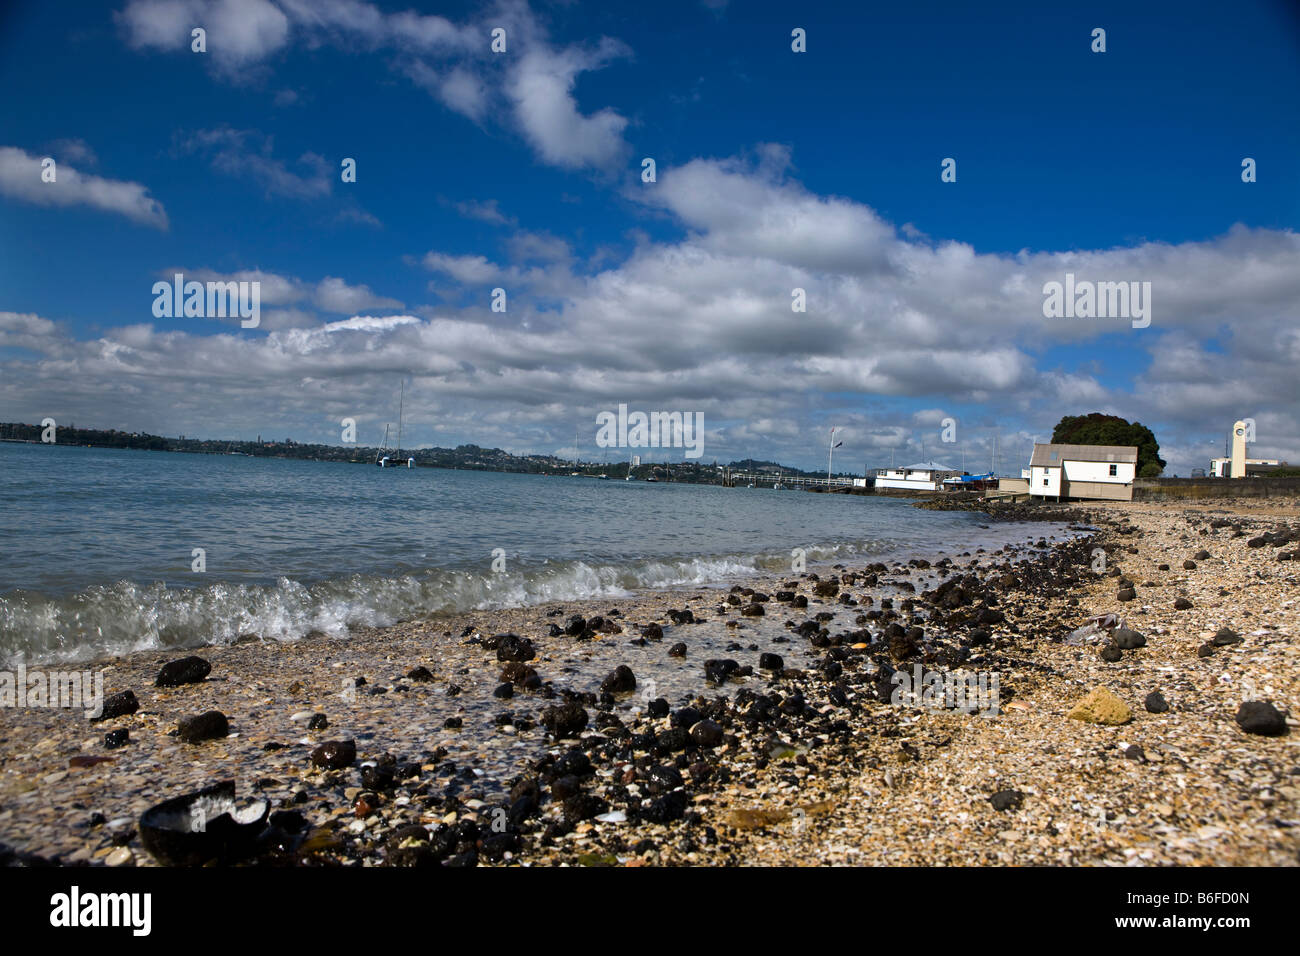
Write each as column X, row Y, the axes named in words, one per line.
column 1051, row 456
column 927, row 466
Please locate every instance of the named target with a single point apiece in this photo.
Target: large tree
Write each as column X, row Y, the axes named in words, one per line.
column 1099, row 429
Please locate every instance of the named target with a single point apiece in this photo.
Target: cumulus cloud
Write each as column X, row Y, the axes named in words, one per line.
column 900, row 331
column 335, row 295
column 469, row 270
column 238, row 31
column 541, row 90
column 534, row 86
column 295, row 296
column 20, row 178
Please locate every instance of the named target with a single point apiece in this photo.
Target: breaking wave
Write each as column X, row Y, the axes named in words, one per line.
column 124, row 617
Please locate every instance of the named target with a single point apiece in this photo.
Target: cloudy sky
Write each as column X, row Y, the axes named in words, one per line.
column 775, row 170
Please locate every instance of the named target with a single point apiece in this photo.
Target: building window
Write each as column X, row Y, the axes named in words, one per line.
column 1044, row 481
column 1114, row 470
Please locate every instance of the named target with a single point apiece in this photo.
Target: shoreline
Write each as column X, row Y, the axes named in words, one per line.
column 800, row 765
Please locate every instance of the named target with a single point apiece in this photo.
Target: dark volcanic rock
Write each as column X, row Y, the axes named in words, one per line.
column 318, row 722
column 752, row 610
column 117, row 738
column 1127, row 640
column 620, row 681
column 1127, row 594
column 652, row 632
column 770, row 662
column 1155, row 703
column 565, row 720
column 379, row 777
column 512, row 647
column 209, row 725
column 706, row 734
column 583, row 806
column 187, row 670
column 334, row 754
column 1182, row 604
column 1007, row 800
column 1189, row 565
column 1110, row 654
column 1226, row 636
column 718, row 670
column 677, row 650
column 421, row 675
column 901, row 645
column 669, row 807
column 1261, row 717
column 118, row 705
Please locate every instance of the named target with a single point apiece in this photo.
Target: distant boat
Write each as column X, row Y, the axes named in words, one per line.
column 395, row 459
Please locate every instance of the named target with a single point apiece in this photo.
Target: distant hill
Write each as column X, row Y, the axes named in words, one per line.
column 463, row 457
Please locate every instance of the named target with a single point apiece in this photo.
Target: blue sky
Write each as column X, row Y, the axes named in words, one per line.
column 776, row 169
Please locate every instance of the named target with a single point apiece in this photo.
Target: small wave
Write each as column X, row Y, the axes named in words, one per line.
column 127, row 617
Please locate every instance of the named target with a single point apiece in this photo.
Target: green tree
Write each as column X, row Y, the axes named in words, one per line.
column 1099, row 429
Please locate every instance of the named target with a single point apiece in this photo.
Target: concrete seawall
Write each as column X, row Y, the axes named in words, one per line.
column 1156, row 489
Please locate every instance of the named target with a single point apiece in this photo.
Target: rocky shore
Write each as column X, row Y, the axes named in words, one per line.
column 1138, row 678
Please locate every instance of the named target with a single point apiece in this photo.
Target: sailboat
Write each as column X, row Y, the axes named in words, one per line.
column 394, row 460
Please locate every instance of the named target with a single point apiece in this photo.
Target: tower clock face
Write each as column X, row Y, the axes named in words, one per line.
column 1241, row 431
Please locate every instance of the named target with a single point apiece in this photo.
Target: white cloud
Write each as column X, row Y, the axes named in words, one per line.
column 335, row 295
column 534, row 86
column 20, row 178
column 470, row 270
column 899, row 332
column 238, row 31
column 541, row 89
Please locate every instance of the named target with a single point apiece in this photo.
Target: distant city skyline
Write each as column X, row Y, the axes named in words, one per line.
column 915, row 181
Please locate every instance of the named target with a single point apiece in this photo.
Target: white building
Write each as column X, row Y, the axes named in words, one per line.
column 923, row 476
column 1083, row 471
column 1235, row 464
column 1226, row 468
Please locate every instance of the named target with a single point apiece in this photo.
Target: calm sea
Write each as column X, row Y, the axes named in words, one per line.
column 98, row 546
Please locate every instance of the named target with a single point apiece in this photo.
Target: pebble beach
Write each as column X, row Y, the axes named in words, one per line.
column 751, row 724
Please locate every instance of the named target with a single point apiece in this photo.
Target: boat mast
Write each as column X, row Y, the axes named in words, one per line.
column 400, row 401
